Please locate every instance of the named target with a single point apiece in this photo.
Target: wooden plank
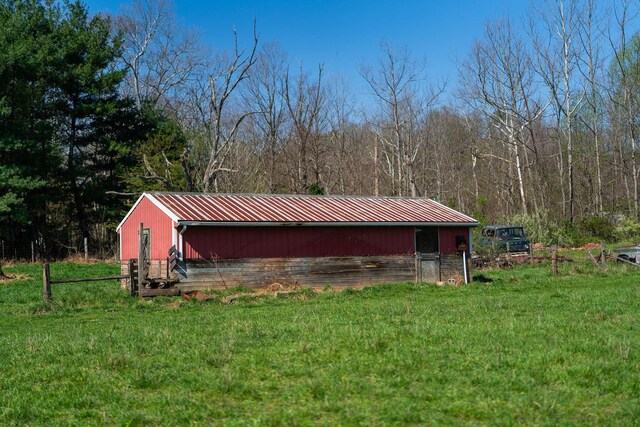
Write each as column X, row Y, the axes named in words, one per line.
column 618, row 259
column 168, row 292
column 593, row 260
column 318, row 272
column 141, row 260
column 89, row 279
column 46, row 282
column 172, row 261
column 133, row 289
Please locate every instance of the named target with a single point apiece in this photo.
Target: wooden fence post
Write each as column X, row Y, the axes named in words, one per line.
column 603, row 256
column 3, row 250
column 554, row 260
column 141, row 260
column 132, row 277
column 46, row 282
column 531, row 252
column 86, row 249
column 593, row 260
column 33, row 251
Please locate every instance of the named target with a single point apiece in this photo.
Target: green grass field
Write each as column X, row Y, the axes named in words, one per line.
column 517, row 347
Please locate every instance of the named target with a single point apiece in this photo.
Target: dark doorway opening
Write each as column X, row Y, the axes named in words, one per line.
column 427, row 240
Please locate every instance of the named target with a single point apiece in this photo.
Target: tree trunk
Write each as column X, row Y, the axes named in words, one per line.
column 523, row 198
column 376, row 170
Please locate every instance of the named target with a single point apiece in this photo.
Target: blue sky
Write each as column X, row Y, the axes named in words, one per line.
column 346, row 34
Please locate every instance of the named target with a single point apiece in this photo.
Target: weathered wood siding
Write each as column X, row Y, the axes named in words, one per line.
column 451, row 267
column 157, row 269
column 338, row 272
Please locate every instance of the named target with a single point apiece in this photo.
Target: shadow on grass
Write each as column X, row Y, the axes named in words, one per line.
column 481, row 278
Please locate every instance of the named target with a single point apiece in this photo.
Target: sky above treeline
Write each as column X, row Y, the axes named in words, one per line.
column 344, row 34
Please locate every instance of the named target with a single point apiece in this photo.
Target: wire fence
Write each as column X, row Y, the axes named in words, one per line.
column 38, row 251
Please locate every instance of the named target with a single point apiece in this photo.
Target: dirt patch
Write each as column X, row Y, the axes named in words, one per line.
column 277, row 287
column 588, row 246
column 8, row 278
column 273, row 289
column 197, row 295
column 175, row 305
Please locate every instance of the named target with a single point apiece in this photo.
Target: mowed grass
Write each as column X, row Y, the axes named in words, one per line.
column 515, row 347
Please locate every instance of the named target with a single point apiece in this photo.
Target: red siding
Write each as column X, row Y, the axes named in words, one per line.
column 153, row 218
column 448, row 238
column 290, row 242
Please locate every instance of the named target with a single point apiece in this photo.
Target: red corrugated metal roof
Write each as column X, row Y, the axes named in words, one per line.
column 240, row 208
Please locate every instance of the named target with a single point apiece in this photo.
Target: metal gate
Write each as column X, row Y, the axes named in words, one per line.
column 428, row 267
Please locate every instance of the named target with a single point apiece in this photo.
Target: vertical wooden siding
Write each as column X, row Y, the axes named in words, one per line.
column 448, row 239
column 291, row 241
column 153, row 218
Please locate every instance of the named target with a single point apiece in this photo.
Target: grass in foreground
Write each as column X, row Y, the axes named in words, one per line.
column 518, row 348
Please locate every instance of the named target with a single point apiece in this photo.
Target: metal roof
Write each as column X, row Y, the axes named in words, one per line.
column 283, row 209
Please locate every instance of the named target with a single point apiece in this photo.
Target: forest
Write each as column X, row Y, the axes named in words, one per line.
column 539, row 128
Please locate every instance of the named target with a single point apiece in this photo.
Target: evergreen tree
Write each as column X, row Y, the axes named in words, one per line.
column 67, row 136
column 27, row 154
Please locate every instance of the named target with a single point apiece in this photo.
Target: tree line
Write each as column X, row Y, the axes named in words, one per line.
column 541, row 126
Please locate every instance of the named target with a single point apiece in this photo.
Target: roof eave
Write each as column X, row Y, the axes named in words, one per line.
column 130, row 212
column 153, row 200
column 324, row 224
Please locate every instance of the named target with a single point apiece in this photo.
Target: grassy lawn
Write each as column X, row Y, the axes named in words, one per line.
column 516, row 347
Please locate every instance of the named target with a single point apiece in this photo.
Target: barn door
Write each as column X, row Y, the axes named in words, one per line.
column 428, row 256
column 144, row 254
column 429, row 268
column 146, row 242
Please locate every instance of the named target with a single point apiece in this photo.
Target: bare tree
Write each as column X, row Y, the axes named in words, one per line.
column 264, row 94
column 624, row 86
column 397, row 83
column 590, row 66
column 161, row 54
column 304, row 100
column 230, row 70
column 558, row 57
column 345, row 151
column 497, row 80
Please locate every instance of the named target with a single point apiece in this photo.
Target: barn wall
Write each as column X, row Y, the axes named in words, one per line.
column 452, row 267
column 448, row 239
column 340, row 272
column 294, row 242
column 153, row 218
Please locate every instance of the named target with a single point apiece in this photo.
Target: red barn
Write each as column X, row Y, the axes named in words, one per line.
column 225, row 239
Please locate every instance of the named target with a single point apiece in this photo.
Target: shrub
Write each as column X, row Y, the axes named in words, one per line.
column 598, row 227
column 627, row 228
column 542, row 229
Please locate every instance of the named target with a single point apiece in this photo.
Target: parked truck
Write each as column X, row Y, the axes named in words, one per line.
column 504, row 239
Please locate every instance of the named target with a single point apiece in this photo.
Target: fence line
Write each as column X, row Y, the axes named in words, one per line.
column 37, row 251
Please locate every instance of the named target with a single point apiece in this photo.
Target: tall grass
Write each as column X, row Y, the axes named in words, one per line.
column 517, row 346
